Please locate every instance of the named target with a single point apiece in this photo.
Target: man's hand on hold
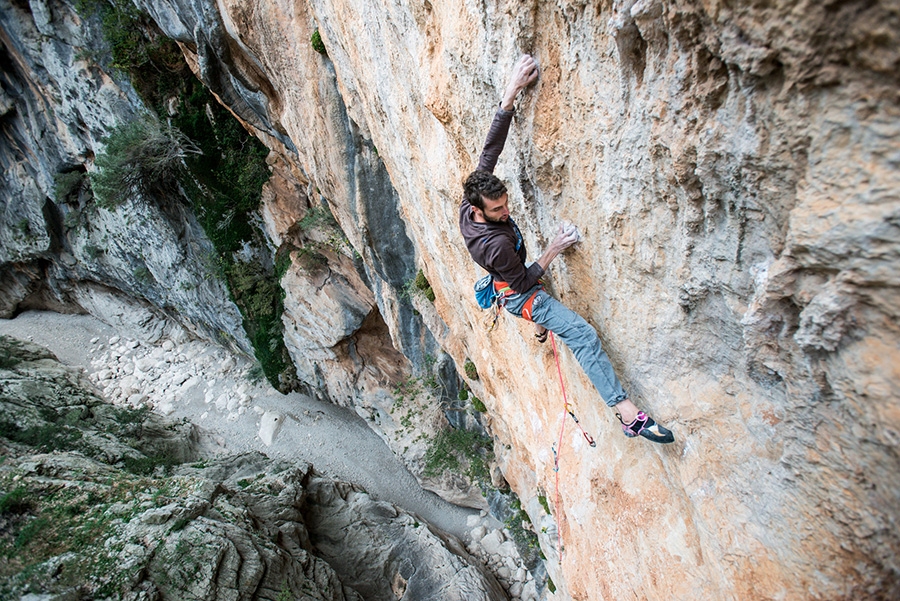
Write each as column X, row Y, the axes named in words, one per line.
column 524, row 74
column 566, row 236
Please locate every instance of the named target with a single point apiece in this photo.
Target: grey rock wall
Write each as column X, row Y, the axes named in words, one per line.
column 148, row 258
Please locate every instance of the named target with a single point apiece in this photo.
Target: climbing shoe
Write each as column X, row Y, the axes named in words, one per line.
column 643, row 425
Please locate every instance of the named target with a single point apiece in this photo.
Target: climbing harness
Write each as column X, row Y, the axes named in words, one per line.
column 557, row 448
column 491, row 294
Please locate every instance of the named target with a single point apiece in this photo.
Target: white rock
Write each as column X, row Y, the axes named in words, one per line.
column 492, row 541
column 228, row 364
column 270, row 426
column 166, row 408
column 168, row 345
column 145, row 363
column 126, row 385
column 508, row 549
column 529, row 592
column 95, row 340
column 478, row 533
column 259, row 410
column 504, row 573
column 204, row 415
column 232, row 403
column 113, row 340
column 222, row 402
column 516, row 589
column 191, row 383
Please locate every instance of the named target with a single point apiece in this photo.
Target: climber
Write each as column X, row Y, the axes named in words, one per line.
column 496, row 244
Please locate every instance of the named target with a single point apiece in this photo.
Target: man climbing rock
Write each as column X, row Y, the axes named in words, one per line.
column 496, row 244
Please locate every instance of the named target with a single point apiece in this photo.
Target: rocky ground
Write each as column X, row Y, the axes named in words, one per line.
column 238, row 414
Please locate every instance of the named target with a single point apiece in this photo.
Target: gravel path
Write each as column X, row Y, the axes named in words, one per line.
column 335, row 440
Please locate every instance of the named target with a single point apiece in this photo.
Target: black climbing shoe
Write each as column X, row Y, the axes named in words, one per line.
column 643, row 425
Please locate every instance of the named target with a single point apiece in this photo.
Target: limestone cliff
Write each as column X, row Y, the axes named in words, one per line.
column 734, row 173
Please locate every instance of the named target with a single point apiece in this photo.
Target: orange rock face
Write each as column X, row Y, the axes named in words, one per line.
column 734, row 174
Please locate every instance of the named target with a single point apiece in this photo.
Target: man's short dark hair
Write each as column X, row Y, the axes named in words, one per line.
column 480, row 185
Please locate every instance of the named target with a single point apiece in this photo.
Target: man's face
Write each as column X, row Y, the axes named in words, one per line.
column 495, row 211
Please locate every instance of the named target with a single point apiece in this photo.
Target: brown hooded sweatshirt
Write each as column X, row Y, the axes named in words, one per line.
column 498, row 247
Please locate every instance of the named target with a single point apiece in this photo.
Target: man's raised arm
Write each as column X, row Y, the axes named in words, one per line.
column 524, row 74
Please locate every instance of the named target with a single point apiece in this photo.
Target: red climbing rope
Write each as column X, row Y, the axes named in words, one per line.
column 558, row 445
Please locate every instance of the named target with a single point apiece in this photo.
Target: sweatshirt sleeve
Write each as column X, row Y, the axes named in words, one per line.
column 509, row 267
column 496, row 139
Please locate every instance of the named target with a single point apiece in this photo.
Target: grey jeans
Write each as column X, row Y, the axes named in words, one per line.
column 579, row 336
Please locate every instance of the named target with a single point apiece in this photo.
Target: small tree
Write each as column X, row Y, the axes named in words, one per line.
column 141, row 157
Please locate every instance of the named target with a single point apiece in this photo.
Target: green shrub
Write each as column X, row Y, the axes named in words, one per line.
column 15, row 501
column 67, row 184
column 143, row 275
column 93, row 251
column 543, row 501
column 283, row 260
column 317, row 43
column 423, row 285
column 146, row 465
column 45, row 438
column 478, row 405
column 142, row 157
column 254, row 289
column 315, row 217
column 463, row 394
column 471, row 371
column 7, row 359
column 450, row 449
column 28, row 532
